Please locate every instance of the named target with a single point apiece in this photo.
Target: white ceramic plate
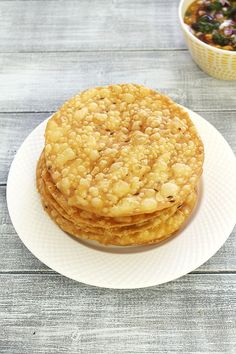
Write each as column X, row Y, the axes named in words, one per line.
column 133, row 267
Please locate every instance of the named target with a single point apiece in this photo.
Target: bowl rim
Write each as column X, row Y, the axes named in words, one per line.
column 195, row 39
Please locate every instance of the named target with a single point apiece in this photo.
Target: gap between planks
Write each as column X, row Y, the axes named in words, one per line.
column 96, row 51
column 54, row 273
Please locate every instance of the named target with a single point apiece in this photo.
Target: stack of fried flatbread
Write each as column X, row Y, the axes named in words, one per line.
column 120, row 165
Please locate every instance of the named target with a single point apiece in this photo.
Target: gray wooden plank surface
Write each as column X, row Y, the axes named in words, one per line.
column 52, row 314
column 14, row 128
column 14, row 256
column 50, row 50
column 43, row 81
column 72, row 25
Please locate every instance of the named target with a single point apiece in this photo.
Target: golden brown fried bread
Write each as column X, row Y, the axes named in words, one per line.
column 144, row 237
column 79, row 216
column 123, row 150
column 120, row 166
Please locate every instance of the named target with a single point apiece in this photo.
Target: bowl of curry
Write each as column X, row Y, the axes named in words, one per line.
column 209, row 28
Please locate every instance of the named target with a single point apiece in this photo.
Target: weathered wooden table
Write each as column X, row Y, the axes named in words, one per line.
column 49, row 50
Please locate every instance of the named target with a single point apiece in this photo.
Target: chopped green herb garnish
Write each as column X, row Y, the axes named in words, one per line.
column 206, row 24
column 220, row 39
column 231, row 13
column 213, row 22
column 216, row 5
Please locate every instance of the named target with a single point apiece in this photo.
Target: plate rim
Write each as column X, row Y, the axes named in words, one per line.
column 99, row 284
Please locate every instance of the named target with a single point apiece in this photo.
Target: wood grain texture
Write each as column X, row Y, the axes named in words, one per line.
column 43, row 81
column 14, row 256
column 50, row 50
column 73, row 25
column 52, row 314
column 14, row 128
